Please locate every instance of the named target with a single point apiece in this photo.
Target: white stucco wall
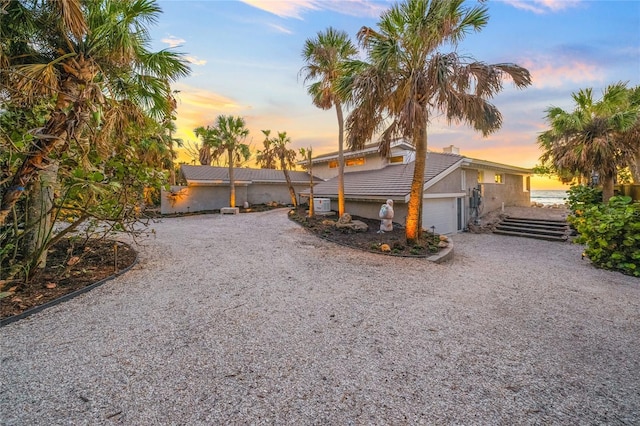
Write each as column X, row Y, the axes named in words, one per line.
column 206, row 198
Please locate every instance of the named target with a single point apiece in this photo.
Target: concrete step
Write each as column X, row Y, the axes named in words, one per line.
column 542, row 229
column 530, row 235
column 528, row 219
column 552, row 224
column 531, row 230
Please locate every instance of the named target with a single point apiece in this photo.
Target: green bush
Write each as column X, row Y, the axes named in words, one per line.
column 611, row 233
column 581, row 197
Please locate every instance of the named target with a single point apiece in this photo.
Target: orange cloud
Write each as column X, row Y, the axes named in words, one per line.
column 199, row 107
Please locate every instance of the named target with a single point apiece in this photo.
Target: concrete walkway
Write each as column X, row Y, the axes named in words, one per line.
column 249, row 319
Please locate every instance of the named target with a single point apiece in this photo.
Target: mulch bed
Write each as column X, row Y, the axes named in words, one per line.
column 71, row 266
column 369, row 240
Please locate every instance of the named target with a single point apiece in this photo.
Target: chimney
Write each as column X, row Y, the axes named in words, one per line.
column 451, row 150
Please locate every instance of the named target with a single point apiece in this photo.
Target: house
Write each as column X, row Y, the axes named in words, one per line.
column 208, row 188
column 457, row 189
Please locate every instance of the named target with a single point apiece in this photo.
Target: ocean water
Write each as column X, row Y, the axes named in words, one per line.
column 549, row 197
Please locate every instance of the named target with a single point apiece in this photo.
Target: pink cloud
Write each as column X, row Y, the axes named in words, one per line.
column 296, row 8
column 543, row 6
column 545, row 73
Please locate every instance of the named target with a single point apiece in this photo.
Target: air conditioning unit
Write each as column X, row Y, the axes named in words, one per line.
column 322, row 205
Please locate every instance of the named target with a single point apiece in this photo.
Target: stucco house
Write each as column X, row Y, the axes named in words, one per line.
column 208, row 188
column 457, row 188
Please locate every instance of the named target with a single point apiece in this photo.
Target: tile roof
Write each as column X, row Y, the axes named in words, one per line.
column 392, row 181
column 211, row 174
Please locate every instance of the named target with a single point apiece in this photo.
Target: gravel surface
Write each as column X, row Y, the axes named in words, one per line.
column 250, row 319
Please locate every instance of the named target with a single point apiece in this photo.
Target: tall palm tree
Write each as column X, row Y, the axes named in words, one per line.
column 594, row 137
column 266, row 158
column 324, row 56
column 228, row 135
column 82, row 51
column 287, row 158
column 307, row 154
column 406, row 78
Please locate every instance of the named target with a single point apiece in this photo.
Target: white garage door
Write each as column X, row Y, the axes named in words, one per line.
column 441, row 213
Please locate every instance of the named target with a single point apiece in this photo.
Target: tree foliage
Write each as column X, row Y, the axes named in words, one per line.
column 597, row 138
column 226, row 140
column 86, row 100
column 325, row 56
column 407, row 77
column 611, row 234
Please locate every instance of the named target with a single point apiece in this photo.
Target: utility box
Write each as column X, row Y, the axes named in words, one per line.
column 322, row 205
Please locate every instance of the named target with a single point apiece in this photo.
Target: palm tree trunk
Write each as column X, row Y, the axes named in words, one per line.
column 39, row 218
column 311, row 212
column 635, row 168
column 54, row 132
column 340, row 159
column 232, row 182
column 414, row 209
column 607, row 188
column 292, row 192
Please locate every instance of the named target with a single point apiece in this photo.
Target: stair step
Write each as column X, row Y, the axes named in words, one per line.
column 562, row 221
column 537, row 222
column 534, row 225
column 529, row 235
column 553, row 232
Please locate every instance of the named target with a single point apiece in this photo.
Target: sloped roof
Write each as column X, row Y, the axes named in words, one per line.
column 369, row 148
column 392, row 181
column 208, row 175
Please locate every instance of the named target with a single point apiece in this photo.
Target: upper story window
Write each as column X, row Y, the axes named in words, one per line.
column 498, row 178
column 358, row 161
column 396, row 159
column 333, row 164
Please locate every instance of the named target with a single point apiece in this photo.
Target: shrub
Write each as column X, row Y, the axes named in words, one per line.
column 611, row 233
column 581, row 197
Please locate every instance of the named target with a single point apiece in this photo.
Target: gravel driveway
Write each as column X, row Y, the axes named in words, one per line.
column 250, row 319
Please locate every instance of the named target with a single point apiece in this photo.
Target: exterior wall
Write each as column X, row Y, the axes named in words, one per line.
column 450, row 184
column 370, row 209
column 206, row 198
column 260, row 193
column 371, row 162
column 511, row 193
column 195, row 199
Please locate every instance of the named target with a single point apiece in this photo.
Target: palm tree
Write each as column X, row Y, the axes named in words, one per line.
column 406, row 78
column 287, row 159
column 266, row 158
column 228, row 135
column 324, row 56
column 594, row 137
column 82, row 52
column 307, row 154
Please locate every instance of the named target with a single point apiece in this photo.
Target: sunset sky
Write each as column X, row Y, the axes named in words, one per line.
column 246, row 57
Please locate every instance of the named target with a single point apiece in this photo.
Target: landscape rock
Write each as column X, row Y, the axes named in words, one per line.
column 354, row 225
column 345, row 218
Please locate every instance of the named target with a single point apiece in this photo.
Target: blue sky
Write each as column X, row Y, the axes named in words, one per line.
column 246, row 57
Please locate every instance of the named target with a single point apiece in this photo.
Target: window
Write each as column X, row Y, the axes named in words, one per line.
column 396, row 159
column 480, row 176
column 463, row 181
column 358, row 161
column 333, row 164
column 498, row 178
column 527, row 183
